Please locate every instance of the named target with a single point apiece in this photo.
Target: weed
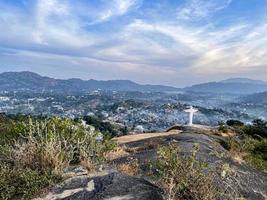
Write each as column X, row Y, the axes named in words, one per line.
column 183, row 178
column 131, row 167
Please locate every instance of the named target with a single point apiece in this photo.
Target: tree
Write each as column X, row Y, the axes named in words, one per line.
column 258, row 128
column 233, row 122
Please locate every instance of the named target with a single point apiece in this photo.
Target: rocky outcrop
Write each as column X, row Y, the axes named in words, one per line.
column 236, row 179
column 114, row 186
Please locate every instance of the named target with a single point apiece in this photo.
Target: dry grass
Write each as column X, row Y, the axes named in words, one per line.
column 50, row 155
column 152, row 144
column 183, row 178
column 131, row 167
column 118, row 152
column 88, row 164
column 43, row 150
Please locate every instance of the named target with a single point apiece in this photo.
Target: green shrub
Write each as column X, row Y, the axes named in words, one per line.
column 233, row 122
column 184, row 178
column 254, row 150
column 103, row 127
column 41, row 150
column 257, row 152
column 23, row 183
column 257, row 129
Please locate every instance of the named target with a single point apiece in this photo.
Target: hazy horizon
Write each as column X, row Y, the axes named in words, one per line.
column 177, row 43
column 144, row 83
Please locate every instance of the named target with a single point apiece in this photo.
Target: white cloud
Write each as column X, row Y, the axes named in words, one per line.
column 57, row 36
column 55, row 24
column 212, row 51
column 199, row 9
column 115, row 8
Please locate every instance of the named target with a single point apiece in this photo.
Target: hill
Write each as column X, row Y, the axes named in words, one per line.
column 258, row 98
column 231, row 86
column 29, row 81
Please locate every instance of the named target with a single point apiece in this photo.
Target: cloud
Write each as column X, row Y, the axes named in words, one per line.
column 200, row 9
column 211, row 51
column 116, row 8
column 75, row 38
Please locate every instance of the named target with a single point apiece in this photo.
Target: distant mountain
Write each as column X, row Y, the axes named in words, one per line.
column 29, row 81
column 258, row 98
column 243, row 80
column 231, row 86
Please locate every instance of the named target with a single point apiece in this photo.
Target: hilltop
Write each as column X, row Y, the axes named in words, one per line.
column 141, row 149
column 53, row 158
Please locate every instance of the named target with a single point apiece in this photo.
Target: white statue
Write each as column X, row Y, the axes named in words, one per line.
column 191, row 112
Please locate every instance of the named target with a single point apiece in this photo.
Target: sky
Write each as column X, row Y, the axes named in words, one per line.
column 170, row 42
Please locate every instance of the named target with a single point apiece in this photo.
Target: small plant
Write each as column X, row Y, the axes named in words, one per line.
column 223, row 128
column 183, row 177
column 131, row 167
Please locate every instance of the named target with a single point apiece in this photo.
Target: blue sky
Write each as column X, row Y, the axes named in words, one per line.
column 172, row 42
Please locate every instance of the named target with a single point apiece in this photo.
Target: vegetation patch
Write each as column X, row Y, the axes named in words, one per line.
column 131, row 167
column 39, row 150
column 183, row 178
column 250, row 144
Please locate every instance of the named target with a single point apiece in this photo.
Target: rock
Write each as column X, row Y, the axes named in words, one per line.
column 72, row 183
column 238, row 179
column 192, row 129
column 75, row 171
column 112, row 186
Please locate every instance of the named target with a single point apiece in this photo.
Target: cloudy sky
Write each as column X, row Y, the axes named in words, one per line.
column 172, row 42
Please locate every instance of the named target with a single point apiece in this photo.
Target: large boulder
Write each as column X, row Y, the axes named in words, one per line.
column 235, row 178
column 114, row 186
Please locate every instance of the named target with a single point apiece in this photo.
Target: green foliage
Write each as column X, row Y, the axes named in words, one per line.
column 37, row 151
column 23, row 183
column 11, row 126
column 230, row 144
column 233, row 122
column 183, row 178
column 255, row 150
column 258, row 128
column 103, row 127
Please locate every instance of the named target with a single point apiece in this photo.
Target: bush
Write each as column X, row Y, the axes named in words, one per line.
column 258, row 128
column 233, row 122
column 184, row 178
column 103, row 127
column 23, row 183
column 41, row 150
column 257, row 152
column 253, row 151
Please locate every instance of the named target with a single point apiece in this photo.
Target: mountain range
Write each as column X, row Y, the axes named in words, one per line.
column 259, row 98
column 29, row 81
column 32, row 82
column 240, row 86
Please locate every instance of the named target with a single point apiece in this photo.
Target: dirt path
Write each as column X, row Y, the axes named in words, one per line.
column 137, row 137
